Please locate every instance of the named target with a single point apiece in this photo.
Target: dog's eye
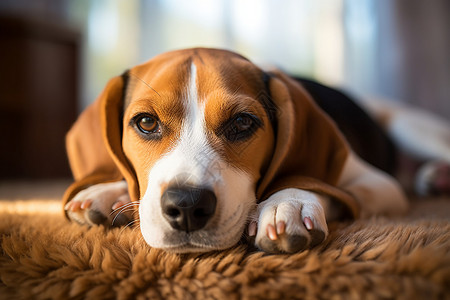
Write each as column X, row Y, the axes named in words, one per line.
column 147, row 124
column 243, row 122
column 240, row 127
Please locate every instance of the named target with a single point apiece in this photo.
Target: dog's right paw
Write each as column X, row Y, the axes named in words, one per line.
column 104, row 203
column 289, row 221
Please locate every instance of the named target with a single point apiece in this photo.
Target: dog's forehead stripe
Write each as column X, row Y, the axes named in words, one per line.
column 194, row 119
column 193, row 136
column 192, row 103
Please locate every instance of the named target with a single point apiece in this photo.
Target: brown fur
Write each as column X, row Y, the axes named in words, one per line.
column 43, row 256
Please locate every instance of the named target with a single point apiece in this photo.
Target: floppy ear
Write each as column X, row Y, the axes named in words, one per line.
column 310, row 152
column 94, row 144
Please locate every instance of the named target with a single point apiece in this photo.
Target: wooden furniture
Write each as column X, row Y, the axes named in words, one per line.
column 39, row 64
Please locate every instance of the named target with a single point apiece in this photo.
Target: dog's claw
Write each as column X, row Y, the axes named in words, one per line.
column 308, row 223
column 271, row 232
column 281, row 227
column 86, row 204
column 76, row 206
column 252, row 228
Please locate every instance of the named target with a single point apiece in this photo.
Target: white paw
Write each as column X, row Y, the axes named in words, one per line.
column 104, row 203
column 289, row 221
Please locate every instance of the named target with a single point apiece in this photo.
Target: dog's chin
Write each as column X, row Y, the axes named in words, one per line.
column 198, row 241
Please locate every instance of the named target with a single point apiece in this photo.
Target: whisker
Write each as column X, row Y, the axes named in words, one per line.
column 134, row 203
column 128, row 226
column 132, row 223
column 141, row 240
column 121, row 211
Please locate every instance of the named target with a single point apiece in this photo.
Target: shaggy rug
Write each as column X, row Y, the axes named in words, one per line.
column 43, row 256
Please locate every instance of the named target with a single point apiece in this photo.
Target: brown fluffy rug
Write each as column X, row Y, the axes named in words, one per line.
column 45, row 257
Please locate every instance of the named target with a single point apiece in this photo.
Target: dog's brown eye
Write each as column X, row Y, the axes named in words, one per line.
column 243, row 123
column 241, row 127
column 147, row 124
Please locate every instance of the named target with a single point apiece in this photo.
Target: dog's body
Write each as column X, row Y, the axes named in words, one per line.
column 208, row 144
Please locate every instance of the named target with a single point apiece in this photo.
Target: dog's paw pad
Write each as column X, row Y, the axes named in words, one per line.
column 268, row 245
column 96, row 217
column 282, row 241
column 295, row 243
column 317, row 237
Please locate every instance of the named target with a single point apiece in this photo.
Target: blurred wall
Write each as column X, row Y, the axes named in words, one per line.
column 390, row 48
column 399, row 50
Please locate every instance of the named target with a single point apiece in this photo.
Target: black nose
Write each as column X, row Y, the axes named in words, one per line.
column 186, row 208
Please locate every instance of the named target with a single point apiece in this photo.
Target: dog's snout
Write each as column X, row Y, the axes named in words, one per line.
column 186, row 208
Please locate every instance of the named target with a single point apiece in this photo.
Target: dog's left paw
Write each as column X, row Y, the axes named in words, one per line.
column 104, row 203
column 289, row 221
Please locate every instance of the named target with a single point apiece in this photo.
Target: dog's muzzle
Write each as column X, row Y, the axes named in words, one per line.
column 188, row 208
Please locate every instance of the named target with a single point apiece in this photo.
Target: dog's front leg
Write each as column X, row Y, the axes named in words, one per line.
column 290, row 221
column 104, row 203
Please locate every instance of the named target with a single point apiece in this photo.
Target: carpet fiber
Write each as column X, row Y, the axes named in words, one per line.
column 43, row 256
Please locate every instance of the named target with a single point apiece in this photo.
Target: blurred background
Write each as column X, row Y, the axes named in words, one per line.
column 57, row 55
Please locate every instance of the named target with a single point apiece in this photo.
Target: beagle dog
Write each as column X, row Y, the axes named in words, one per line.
column 201, row 147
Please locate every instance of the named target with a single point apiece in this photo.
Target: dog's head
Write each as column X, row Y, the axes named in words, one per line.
column 204, row 134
